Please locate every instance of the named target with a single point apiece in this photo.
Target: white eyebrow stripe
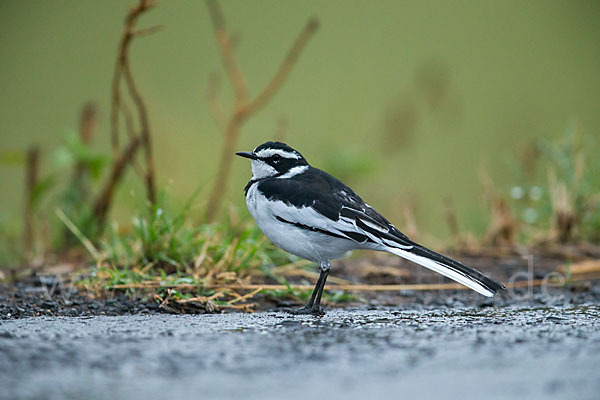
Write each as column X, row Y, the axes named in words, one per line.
column 265, row 153
column 293, row 172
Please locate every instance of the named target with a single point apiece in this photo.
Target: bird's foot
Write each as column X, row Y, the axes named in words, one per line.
column 306, row 311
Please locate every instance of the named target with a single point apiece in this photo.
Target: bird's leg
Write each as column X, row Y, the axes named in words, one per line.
column 314, row 304
column 325, row 267
column 315, row 291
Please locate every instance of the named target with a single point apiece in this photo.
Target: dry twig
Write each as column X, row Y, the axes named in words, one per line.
column 243, row 107
column 31, row 178
column 503, row 227
column 246, row 296
column 124, row 157
column 102, row 204
column 87, row 128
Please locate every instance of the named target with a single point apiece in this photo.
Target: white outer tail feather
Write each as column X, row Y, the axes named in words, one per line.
column 441, row 269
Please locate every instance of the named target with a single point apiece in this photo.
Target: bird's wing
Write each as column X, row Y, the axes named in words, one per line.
column 317, row 201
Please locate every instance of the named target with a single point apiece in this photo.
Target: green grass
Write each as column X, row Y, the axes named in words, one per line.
column 569, row 186
column 163, row 245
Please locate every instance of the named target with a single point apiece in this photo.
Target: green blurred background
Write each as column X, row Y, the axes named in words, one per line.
column 407, row 101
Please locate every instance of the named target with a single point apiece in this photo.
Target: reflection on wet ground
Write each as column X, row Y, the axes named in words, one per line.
column 388, row 353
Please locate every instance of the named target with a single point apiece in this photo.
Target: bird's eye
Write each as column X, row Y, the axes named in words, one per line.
column 276, row 158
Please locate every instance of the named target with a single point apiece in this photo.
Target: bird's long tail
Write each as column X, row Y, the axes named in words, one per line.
column 450, row 268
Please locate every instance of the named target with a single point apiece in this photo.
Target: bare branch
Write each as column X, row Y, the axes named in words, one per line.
column 88, row 122
column 148, row 31
column 114, row 112
column 214, row 102
column 128, row 35
column 127, row 156
column 242, row 109
column 87, row 128
column 145, row 131
column 284, row 69
column 221, row 182
column 128, row 120
column 225, row 46
column 102, row 204
column 123, row 71
column 139, row 170
column 31, row 177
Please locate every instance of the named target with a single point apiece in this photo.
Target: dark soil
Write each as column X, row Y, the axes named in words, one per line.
column 31, row 299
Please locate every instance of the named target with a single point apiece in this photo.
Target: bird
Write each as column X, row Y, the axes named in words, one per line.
column 309, row 213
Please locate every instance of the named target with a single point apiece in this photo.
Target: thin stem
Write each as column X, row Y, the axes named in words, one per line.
column 227, row 54
column 145, row 132
column 242, row 108
column 33, row 158
column 284, row 69
column 102, row 204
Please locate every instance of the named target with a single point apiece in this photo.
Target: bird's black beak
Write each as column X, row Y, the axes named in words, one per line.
column 247, row 154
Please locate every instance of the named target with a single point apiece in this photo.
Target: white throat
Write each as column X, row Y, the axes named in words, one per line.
column 261, row 169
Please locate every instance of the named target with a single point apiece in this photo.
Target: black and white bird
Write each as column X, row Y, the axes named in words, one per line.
column 309, row 213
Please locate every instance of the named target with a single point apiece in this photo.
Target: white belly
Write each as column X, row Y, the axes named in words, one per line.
column 313, row 246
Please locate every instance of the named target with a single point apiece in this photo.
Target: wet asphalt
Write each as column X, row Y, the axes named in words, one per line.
column 491, row 353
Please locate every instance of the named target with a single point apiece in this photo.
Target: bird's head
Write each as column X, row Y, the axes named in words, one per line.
column 272, row 159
